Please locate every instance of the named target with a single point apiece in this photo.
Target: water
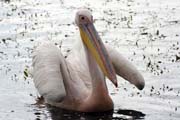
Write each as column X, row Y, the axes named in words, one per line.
column 144, row 31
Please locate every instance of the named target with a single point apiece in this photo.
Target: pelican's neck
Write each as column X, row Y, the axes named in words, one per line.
column 99, row 88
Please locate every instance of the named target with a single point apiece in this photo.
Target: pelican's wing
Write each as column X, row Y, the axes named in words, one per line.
column 125, row 69
column 47, row 73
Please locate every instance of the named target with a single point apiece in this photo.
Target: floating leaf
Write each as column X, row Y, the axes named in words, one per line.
column 25, row 73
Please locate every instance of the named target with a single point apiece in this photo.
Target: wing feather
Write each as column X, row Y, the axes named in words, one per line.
column 126, row 69
column 47, row 73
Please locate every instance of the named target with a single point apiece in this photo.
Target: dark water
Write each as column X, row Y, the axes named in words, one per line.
column 62, row 114
column 147, row 32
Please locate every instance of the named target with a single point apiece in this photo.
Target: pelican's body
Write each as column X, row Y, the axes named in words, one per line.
column 78, row 82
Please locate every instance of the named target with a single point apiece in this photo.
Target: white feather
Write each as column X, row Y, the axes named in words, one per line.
column 125, row 68
column 47, row 73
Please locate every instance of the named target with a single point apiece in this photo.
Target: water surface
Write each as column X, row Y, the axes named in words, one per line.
column 147, row 32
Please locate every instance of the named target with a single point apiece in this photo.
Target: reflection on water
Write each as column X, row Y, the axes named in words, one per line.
column 133, row 113
column 62, row 114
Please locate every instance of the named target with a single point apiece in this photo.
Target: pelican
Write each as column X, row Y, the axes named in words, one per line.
column 78, row 81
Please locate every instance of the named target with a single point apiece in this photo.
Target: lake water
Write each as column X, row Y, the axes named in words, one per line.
column 147, row 32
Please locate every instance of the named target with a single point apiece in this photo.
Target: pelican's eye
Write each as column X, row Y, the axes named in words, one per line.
column 84, row 20
column 82, row 17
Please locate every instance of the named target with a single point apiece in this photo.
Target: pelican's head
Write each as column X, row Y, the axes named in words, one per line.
column 92, row 41
column 83, row 16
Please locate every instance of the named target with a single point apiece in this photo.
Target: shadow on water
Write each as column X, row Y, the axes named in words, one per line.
column 61, row 114
column 8, row 1
column 133, row 113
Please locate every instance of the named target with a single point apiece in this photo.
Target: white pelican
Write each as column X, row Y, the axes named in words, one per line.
column 78, row 82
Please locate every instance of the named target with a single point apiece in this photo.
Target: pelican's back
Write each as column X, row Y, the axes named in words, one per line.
column 47, row 73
